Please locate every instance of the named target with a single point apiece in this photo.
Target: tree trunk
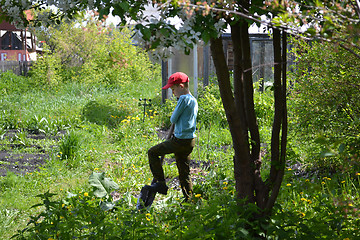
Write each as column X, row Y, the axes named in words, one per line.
column 240, row 113
column 236, row 121
column 279, row 129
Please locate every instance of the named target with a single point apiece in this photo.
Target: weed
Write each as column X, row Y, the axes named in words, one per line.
column 69, row 147
column 21, row 138
column 2, row 133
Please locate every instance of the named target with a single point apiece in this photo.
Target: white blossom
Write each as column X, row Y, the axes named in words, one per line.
column 25, row 4
column 91, row 4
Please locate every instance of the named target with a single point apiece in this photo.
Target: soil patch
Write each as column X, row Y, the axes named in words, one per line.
column 20, row 163
column 19, row 157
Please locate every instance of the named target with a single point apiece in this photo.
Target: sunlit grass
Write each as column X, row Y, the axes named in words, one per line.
column 116, row 143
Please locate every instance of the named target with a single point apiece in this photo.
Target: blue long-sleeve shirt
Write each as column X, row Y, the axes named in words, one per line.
column 184, row 117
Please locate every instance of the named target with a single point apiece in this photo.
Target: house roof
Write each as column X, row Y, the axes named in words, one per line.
column 8, row 27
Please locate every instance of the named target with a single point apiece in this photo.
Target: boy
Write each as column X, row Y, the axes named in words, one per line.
column 183, row 140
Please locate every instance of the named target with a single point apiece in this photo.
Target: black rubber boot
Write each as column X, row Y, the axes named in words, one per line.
column 159, row 187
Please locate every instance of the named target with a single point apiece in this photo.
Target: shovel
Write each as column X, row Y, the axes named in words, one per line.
column 147, row 196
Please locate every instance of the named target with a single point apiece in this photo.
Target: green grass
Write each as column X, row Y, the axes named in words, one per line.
column 112, row 138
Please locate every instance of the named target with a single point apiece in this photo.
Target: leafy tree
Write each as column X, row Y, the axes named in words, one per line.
column 333, row 21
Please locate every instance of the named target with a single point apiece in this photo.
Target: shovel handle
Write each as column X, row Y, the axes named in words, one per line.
column 171, row 131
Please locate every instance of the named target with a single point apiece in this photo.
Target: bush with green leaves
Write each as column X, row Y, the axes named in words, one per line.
column 317, row 207
column 211, row 110
column 324, row 105
column 12, row 83
column 46, row 71
column 88, row 51
column 95, row 214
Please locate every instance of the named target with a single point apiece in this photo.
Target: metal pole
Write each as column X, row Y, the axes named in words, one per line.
column 195, row 66
column 164, row 77
column 206, row 65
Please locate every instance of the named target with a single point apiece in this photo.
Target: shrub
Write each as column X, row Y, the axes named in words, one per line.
column 86, row 51
column 324, row 106
column 46, row 71
column 211, row 110
column 12, row 83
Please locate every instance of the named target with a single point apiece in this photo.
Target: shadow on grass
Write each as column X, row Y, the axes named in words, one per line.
column 102, row 114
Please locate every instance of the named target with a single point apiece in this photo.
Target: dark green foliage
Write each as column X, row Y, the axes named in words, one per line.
column 217, row 216
column 211, row 110
column 325, row 104
column 105, row 113
column 11, row 83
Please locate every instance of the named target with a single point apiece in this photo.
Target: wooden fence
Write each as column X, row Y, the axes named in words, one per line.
column 19, row 68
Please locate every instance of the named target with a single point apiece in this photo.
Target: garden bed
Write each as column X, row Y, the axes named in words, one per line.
column 22, row 152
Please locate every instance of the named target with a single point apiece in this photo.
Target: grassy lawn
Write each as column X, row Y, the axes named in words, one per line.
column 88, row 128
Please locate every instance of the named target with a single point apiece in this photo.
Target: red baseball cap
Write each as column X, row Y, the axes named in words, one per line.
column 176, row 78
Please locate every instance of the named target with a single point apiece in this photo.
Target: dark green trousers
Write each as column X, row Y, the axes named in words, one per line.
column 182, row 149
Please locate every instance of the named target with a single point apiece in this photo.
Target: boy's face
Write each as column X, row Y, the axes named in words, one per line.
column 177, row 90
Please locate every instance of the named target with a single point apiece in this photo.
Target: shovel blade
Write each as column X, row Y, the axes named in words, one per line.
column 146, row 198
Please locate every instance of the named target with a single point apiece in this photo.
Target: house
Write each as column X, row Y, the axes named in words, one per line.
column 16, row 44
column 17, row 47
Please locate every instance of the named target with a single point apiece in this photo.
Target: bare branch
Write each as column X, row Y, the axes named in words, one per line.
column 356, row 6
column 350, row 50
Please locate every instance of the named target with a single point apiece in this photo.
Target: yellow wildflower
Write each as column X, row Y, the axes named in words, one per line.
column 86, row 194
column 198, row 195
